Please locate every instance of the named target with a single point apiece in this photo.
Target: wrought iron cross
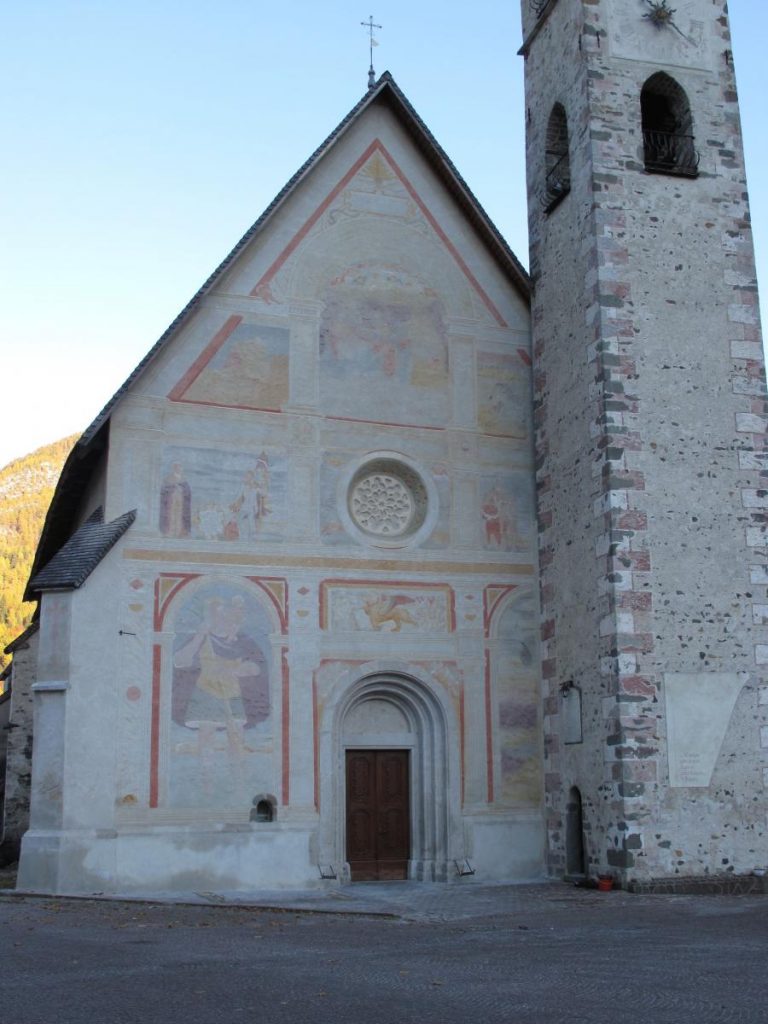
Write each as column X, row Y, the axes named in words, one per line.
column 371, row 25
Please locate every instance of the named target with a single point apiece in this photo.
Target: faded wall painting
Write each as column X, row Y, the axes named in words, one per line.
column 384, row 348
column 503, row 394
column 245, row 366
column 513, row 660
column 506, row 511
column 227, row 496
column 363, row 606
column 221, row 680
column 331, row 529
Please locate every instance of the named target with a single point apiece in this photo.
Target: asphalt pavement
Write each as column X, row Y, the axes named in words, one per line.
column 387, row 953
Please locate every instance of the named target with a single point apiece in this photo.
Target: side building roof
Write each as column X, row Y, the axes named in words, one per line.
column 72, row 564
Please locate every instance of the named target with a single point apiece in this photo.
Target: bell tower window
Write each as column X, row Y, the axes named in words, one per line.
column 667, row 128
column 558, row 168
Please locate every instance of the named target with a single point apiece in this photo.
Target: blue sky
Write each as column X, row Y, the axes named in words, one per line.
column 141, row 140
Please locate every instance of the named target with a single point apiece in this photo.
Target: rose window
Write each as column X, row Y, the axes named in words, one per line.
column 387, row 499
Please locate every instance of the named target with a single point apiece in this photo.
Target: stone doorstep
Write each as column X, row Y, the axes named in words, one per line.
column 707, row 885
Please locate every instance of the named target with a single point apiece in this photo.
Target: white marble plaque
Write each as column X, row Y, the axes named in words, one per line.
column 699, row 708
column 572, row 715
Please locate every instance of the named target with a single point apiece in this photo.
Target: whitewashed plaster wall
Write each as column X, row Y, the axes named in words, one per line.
column 364, row 340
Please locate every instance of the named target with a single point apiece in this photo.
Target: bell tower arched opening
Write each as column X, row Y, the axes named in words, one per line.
column 667, row 128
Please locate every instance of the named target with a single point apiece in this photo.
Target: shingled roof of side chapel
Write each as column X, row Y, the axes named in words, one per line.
column 85, row 456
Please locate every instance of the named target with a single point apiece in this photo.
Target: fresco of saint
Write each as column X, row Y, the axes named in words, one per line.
column 221, row 731
column 222, row 495
column 175, row 503
column 506, row 512
column 220, row 674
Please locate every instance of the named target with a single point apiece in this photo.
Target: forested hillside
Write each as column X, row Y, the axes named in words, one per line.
column 26, row 489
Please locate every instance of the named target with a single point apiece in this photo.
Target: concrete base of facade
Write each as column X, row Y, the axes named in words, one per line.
column 165, row 861
column 243, row 858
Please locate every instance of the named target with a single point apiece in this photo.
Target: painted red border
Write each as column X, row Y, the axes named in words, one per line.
column 316, row 740
column 488, row 727
column 462, row 742
column 490, row 608
column 185, row 578
column 231, row 405
column 176, row 394
column 286, row 725
column 386, row 585
column 154, row 741
column 282, row 610
column 386, row 423
column 262, row 287
column 446, row 241
column 161, row 609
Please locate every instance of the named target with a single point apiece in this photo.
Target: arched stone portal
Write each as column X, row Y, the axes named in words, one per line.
column 390, row 711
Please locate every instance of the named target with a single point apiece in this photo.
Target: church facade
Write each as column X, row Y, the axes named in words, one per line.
column 391, row 561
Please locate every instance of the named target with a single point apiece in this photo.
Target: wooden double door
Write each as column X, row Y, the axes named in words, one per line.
column 378, row 814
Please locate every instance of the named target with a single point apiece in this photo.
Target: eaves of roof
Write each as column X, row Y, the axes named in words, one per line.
column 65, row 505
column 71, row 566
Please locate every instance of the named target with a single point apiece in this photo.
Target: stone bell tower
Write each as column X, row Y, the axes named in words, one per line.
column 650, row 420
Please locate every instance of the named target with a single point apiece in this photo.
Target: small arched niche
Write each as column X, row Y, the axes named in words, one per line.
column 263, row 809
column 667, row 128
column 557, row 183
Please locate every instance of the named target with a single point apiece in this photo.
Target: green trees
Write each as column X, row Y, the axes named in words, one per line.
column 26, row 489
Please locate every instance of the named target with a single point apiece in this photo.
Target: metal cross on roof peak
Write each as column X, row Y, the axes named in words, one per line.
column 371, row 25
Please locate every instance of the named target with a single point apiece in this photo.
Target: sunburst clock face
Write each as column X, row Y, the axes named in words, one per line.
column 661, row 15
column 660, row 31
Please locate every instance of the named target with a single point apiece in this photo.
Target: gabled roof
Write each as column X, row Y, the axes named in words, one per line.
column 79, row 465
column 71, row 566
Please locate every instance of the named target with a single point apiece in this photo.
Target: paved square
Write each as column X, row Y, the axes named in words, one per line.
column 406, row 953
